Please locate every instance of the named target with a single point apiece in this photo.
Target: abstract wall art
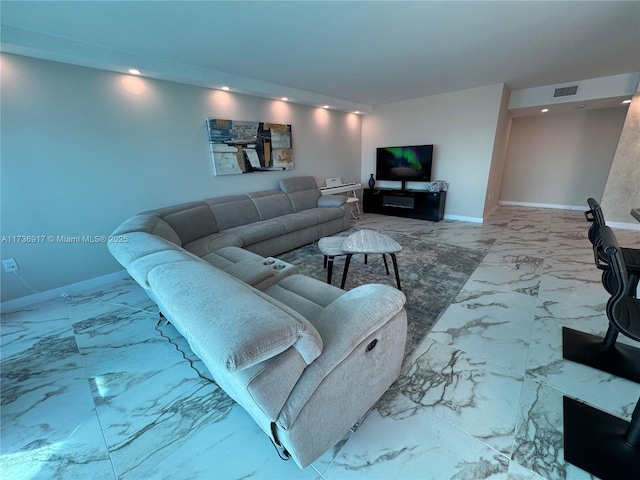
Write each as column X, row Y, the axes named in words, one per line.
column 243, row 146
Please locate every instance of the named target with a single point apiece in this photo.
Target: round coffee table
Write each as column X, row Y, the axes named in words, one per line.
column 365, row 242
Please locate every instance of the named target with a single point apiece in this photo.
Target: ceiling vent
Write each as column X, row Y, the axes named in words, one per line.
column 565, row 91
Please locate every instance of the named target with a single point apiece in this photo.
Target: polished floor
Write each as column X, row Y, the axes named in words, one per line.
column 91, row 389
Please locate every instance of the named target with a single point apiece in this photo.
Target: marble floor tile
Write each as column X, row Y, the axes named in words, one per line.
column 521, row 243
column 572, row 290
column 76, row 453
column 539, row 444
column 121, row 351
column 460, row 389
column 419, row 445
column 101, row 300
column 20, row 329
column 150, row 421
column 49, row 422
column 546, row 365
column 521, row 277
column 232, row 447
column 92, row 389
column 493, row 326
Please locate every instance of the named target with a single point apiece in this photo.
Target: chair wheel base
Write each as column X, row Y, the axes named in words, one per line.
column 593, row 441
column 620, row 360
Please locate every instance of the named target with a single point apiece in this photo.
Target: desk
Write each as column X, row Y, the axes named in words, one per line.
column 347, row 187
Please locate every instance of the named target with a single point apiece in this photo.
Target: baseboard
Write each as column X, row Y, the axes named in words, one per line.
column 624, row 225
column 462, row 218
column 544, row 205
column 72, row 289
column 621, row 225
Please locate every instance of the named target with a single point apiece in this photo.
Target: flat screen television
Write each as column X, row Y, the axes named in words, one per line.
column 408, row 163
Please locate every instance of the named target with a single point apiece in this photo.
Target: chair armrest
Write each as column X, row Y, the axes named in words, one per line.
column 332, row 201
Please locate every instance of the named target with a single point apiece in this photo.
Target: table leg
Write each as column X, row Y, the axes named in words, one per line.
column 329, row 268
column 395, row 267
column 386, row 266
column 346, row 269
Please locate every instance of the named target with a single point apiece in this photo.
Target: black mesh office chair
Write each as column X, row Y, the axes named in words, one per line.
column 600, row 443
column 623, row 312
column 631, row 256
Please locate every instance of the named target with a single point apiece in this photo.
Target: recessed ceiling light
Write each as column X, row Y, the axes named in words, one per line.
column 225, row 88
column 284, row 99
column 544, row 110
column 626, row 101
column 357, row 112
column 134, row 71
column 325, row 106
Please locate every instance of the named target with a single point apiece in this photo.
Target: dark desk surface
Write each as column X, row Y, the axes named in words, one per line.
column 635, row 213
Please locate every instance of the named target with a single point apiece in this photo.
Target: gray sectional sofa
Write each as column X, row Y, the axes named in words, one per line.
column 305, row 359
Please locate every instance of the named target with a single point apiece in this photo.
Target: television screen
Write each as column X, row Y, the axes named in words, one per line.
column 404, row 163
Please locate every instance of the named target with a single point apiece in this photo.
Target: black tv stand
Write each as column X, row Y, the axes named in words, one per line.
column 405, row 203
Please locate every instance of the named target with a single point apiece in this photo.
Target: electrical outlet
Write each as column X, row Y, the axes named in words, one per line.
column 10, row 265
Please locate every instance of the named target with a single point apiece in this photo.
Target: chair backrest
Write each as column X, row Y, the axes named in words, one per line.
column 595, row 215
column 622, row 295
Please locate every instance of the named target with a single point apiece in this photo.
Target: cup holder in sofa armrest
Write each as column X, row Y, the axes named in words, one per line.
column 263, row 273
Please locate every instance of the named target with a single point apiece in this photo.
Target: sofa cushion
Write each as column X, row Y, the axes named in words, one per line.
column 322, row 215
column 271, row 203
column 233, row 210
column 192, row 223
column 307, row 296
column 139, row 269
column 228, row 324
column 297, row 221
column 189, row 220
column 211, row 243
column 303, row 192
column 148, row 223
column 332, row 200
column 139, row 244
column 298, row 184
column 258, row 231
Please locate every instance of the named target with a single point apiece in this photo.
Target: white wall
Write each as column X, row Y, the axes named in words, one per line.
column 83, row 149
column 561, row 159
column 461, row 126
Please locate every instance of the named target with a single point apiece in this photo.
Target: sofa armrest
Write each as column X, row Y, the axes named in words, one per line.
column 350, row 318
column 343, row 325
column 332, row 201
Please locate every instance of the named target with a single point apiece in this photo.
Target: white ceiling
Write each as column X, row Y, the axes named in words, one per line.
column 351, row 55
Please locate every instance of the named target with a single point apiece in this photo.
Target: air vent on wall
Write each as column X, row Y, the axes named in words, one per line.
column 565, row 91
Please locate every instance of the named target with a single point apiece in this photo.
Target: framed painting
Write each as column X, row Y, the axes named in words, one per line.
column 242, row 147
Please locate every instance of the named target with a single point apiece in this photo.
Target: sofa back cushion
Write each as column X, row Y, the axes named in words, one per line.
column 233, row 210
column 190, row 221
column 303, row 192
column 148, row 223
column 271, row 203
